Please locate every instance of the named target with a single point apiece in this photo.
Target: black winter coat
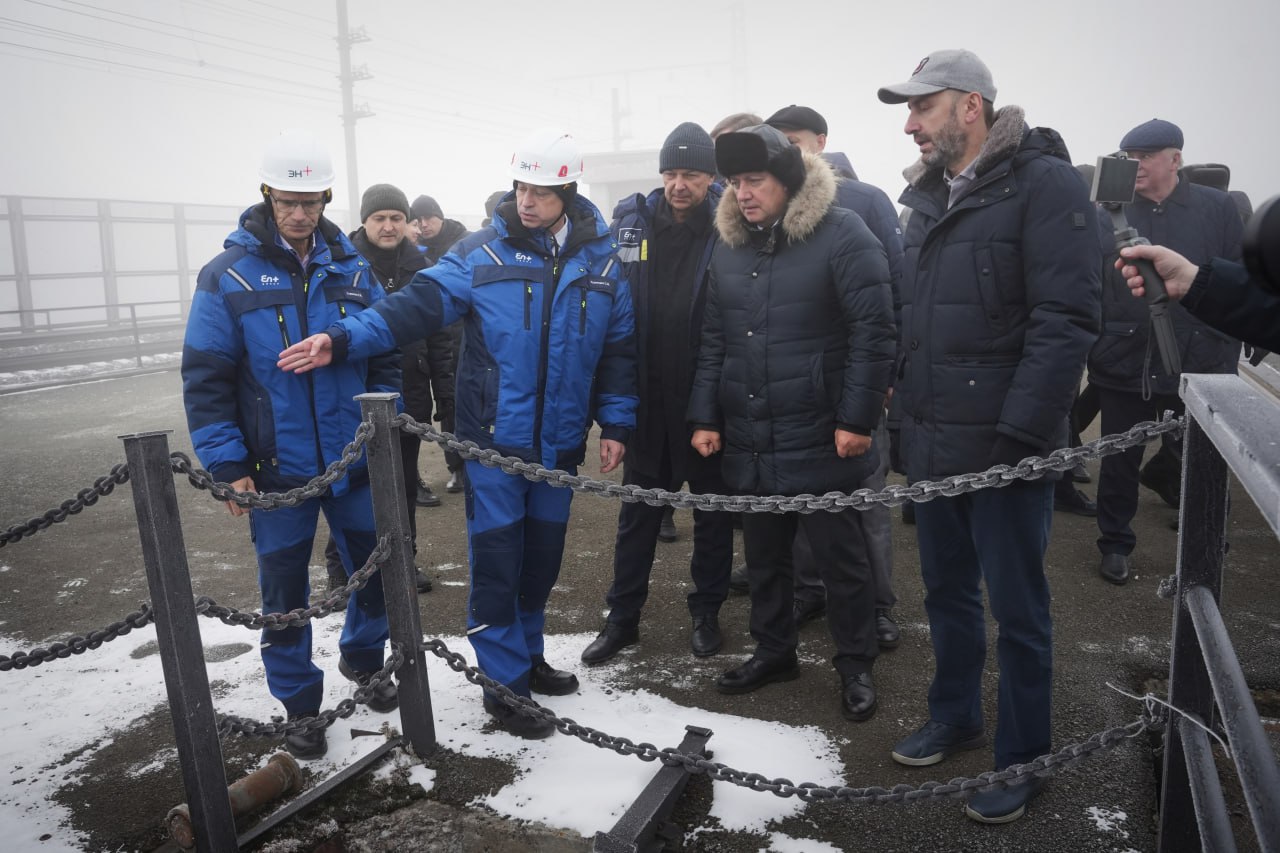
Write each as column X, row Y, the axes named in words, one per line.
column 999, row 304
column 797, row 340
column 1199, row 223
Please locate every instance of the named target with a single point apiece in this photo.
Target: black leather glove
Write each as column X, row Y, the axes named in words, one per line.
column 1010, row 451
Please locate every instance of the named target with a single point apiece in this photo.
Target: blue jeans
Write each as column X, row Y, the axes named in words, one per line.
column 998, row 536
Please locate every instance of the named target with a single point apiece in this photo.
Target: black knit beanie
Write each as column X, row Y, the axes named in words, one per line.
column 688, row 147
column 425, row 207
column 383, row 197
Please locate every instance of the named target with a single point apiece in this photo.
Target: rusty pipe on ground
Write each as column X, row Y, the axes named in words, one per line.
column 278, row 777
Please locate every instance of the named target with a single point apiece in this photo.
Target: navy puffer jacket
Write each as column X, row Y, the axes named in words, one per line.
column 1000, row 301
column 797, row 340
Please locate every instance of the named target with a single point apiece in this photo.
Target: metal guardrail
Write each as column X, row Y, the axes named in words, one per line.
column 90, row 333
column 1231, row 429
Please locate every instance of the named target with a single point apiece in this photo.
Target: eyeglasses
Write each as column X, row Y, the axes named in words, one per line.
column 288, row 205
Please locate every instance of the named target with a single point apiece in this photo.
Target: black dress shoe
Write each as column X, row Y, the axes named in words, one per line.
column 806, row 611
column 549, row 681
column 1115, row 568
column 457, row 482
column 306, row 745
column 1080, row 474
column 421, row 581
column 857, row 697
column 1067, row 498
column 738, row 580
column 667, row 529
column 386, row 697
column 887, row 634
column 705, row 639
column 614, row 638
column 520, row 725
column 756, row 673
column 426, row 497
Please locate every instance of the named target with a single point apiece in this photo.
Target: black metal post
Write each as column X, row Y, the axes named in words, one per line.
column 177, row 633
column 391, row 516
column 1201, row 534
column 641, row 827
column 1206, row 792
column 1250, row 747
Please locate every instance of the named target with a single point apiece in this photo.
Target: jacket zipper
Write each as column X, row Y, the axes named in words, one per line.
column 544, row 356
column 528, row 306
column 582, row 315
column 284, row 329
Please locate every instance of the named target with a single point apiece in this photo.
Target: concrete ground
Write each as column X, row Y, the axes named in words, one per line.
column 87, row 572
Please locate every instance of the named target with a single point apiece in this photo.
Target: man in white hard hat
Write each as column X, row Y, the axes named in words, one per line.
column 285, row 271
column 549, row 345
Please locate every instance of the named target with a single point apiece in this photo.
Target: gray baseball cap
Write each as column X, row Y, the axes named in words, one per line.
column 943, row 69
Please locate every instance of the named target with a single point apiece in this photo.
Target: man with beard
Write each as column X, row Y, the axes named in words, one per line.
column 665, row 241
column 1000, row 298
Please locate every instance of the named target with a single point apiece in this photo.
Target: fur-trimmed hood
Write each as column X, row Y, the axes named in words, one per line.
column 804, row 211
column 1003, row 140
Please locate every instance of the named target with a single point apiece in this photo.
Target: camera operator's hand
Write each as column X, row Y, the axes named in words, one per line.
column 1177, row 271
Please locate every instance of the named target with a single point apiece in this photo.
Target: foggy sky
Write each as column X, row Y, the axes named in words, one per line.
column 173, row 100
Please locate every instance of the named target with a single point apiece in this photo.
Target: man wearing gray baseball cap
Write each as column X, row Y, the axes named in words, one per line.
column 1000, row 301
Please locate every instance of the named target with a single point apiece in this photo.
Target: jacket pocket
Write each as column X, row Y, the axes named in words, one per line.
column 993, row 307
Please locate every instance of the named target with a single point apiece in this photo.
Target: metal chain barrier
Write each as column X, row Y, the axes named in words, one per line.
column 202, row 479
column 228, row 724
column 997, row 476
column 337, row 600
column 79, row 645
column 1152, row 719
column 101, row 487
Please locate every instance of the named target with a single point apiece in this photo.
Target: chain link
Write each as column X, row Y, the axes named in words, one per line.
column 337, row 600
column 78, row 645
column 1152, row 719
column 101, row 487
column 202, row 479
column 1031, row 468
column 228, row 724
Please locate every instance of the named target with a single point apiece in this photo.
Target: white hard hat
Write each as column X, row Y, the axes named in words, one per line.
column 297, row 161
column 547, row 157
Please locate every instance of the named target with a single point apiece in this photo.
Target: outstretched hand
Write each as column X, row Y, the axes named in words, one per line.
column 308, row 354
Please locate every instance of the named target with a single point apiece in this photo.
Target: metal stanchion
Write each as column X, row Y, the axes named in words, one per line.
column 391, row 516
column 178, row 635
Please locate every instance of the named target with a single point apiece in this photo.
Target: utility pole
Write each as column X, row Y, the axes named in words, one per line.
column 350, row 112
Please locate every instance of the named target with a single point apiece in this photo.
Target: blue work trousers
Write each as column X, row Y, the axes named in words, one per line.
column 283, row 541
column 516, row 541
column 998, row 536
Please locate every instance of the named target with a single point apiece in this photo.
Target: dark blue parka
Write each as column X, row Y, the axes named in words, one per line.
column 876, row 210
column 633, row 229
column 548, row 343
column 999, row 303
column 1199, row 223
column 246, row 416
column 797, row 341
column 1223, row 296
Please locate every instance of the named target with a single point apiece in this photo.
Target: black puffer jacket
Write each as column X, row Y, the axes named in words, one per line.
column 999, row 305
column 1199, row 223
column 797, row 340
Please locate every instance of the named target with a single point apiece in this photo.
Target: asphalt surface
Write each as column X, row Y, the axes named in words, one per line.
column 87, row 573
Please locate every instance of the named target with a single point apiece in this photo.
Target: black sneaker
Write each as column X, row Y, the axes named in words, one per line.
column 385, row 698
column 306, row 745
column 426, row 497
column 421, row 581
column 457, row 481
column 520, row 725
